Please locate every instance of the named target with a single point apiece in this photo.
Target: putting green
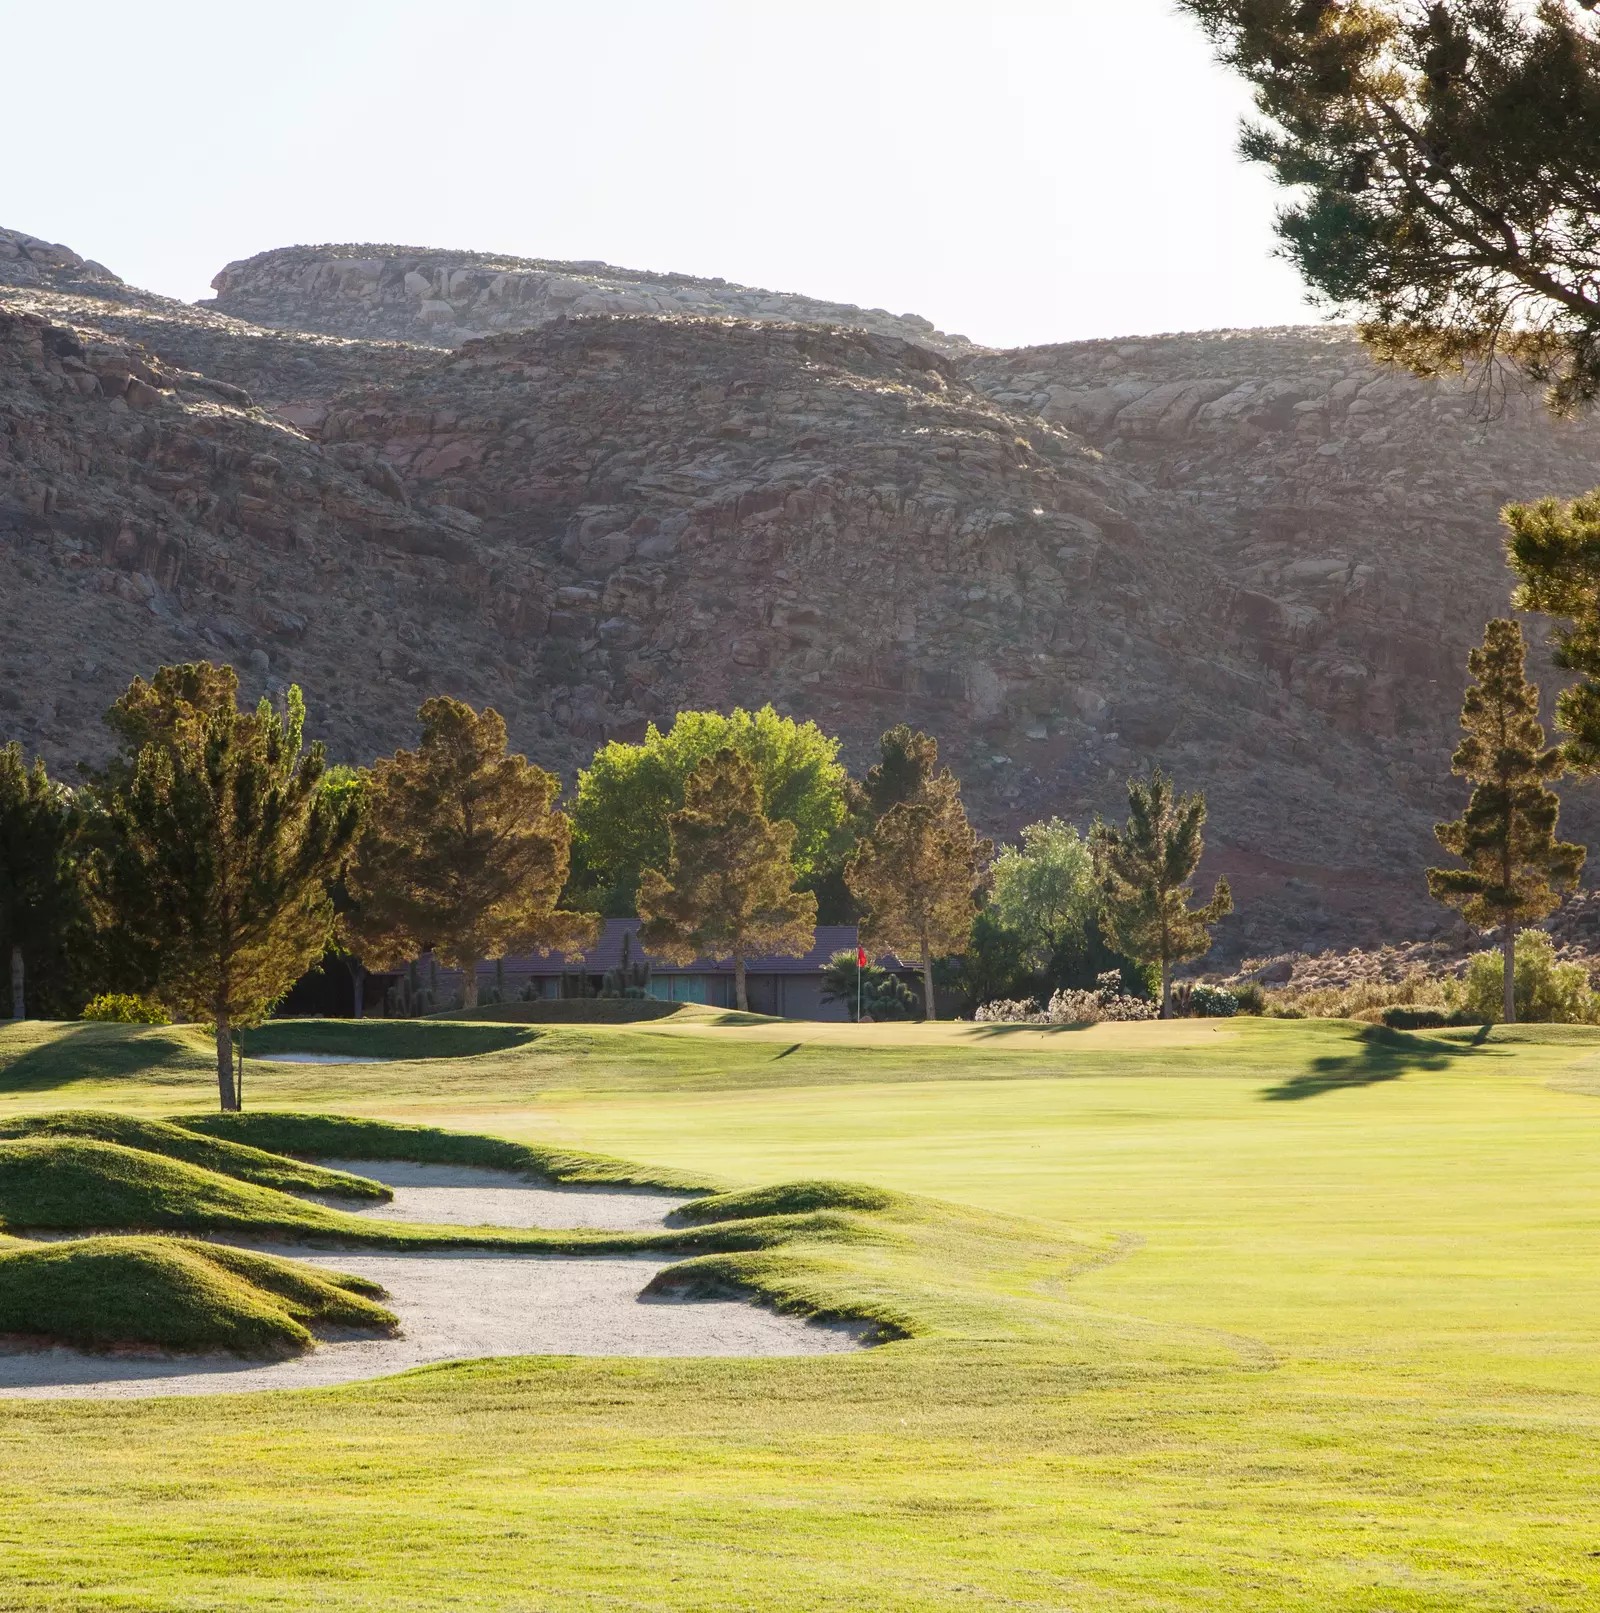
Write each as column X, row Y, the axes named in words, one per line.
column 1335, row 1344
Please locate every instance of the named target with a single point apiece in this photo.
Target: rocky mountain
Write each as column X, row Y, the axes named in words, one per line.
column 442, row 299
column 1252, row 556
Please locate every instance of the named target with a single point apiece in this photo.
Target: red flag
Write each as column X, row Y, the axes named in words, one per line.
column 861, row 957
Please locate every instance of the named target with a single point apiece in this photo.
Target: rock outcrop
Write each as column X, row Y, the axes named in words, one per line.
column 1253, row 557
column 442, row 299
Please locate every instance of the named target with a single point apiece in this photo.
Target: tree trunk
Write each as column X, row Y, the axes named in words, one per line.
column 19, row 1001
column 930, row 1008
column 1508, row 947
column 358, row 983
column 469, row 985
column 741, row 996
column 225, row 1086
column 1166, row 989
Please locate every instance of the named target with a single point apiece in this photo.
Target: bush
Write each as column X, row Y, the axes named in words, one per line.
column 1212, row 1002
column 1547, row 992
column 1009, row 1011
column 1424, row 1019
column 1250, row 998
column 1066, row 1008
column 1364, row 1000
column 118, row 1008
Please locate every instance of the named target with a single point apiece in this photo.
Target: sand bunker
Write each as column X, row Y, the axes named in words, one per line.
column 452, row 1307
column 456, row 1305
column 467, row 1195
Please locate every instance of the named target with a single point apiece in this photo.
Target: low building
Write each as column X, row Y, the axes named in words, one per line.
column 790, row 988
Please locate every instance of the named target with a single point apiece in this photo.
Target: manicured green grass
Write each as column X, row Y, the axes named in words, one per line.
column 1284, row 1316
column 344, row 1137
column 238, row 1160
column 382, row 1039
column 182, row 1295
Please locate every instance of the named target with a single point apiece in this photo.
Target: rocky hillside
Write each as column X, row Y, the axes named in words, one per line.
column 442, row 299
column 1251, row 556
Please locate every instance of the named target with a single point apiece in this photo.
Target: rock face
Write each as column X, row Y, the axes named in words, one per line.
column 1253, row 557
column 444, row 298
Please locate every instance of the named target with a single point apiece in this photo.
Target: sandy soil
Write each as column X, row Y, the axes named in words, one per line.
column 467, row 1195
column 452, row 1307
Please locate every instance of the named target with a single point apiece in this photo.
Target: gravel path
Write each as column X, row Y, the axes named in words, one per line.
column 468, row 1195
column 452, row 1307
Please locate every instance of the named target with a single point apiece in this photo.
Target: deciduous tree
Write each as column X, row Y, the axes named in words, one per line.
column 1145, row 872
column 628, row 792
column 40, row 893
column 462, row 851
column 728, row 889
column 1445, row 158
column 1516, row 867
column 219, row 844
column 1044, row 888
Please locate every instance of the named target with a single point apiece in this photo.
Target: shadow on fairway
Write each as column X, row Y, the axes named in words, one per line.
column 95, row 1052
column 1383, row 1055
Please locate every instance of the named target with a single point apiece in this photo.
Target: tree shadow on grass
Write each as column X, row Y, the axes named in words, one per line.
column 91, row 1052
column 1383, row 1055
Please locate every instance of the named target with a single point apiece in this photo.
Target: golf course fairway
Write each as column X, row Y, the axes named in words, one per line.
column 1321, row 1332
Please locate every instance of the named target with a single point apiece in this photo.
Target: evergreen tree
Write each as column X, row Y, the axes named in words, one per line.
column 219, row 843
column 1145, row 871
column 1445, row 159
column 462, row 852
column 728, row 890
column 915, row 877
column 40, row 895
column 1507, row 837
column 1554, row 548
column 908, row 773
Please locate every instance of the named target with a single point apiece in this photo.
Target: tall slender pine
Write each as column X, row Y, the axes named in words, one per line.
column 1516, row 869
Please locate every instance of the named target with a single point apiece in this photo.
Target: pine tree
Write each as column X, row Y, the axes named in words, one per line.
column 1144, row 872
column 40, row 896
column 219, row 843
column 728, row 890
column 918, row 868
column 907, row 773
column 1507, row 836
column 1445, row 165
column 916, row 876
column 1554, row 548
column 462, row 852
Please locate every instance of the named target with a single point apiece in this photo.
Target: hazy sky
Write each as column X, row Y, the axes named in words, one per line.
column 1017, row 170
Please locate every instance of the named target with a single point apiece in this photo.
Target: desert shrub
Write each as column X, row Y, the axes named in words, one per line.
column 1067, row 1008
column 1212, row 1002
column 1547, row 992
column 1129, row 1008
column 1363, row 999
column 1076, row 1008
column 1250, row 998
column 118, row 1008
column 1010, row 1011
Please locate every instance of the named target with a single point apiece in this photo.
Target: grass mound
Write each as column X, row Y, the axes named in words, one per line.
column 176, row 1295
column 789, row 1198
column 238, row 1160
column 402, row 1039
column 341, row 1137
column 73, row 1184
